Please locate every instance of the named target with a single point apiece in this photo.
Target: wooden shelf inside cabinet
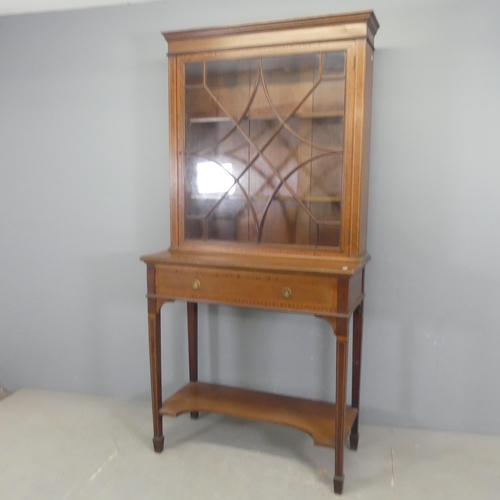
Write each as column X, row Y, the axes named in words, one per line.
column 269, row 139
column 269, row 116
column 316, row 418
column 316, row 199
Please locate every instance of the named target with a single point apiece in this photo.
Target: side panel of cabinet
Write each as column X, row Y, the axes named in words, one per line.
column 366, row 152
column 361, row 148
column 348, row 201
column 174, row 111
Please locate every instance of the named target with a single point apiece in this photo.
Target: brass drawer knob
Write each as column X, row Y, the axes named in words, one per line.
column 196, row 284
column 286, row 292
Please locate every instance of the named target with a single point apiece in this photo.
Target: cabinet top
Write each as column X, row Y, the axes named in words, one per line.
column 249, row 261
column 323, row 28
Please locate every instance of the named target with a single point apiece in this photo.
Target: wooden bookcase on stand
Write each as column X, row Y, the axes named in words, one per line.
column 269, row 157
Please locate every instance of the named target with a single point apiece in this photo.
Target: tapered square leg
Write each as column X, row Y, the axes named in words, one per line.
column 192, row 319
column 354, row 438
column 338, row 484
column 342, row 334
column 158, row 443
column 340, row 327
column 357, row 334
column 155, row 365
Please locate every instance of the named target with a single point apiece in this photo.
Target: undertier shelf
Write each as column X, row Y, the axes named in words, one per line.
column 313, row 417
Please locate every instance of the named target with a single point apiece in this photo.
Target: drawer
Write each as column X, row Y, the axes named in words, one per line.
column 268, row 290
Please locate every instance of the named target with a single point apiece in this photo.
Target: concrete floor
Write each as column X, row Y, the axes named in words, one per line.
column 67, row 446
column 3, row 393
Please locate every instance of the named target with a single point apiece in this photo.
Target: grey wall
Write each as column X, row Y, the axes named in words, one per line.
column 84, row 192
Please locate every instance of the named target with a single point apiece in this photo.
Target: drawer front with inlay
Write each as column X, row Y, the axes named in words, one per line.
column 246, row 288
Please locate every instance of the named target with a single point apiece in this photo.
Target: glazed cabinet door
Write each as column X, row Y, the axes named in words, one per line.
column 262, row 147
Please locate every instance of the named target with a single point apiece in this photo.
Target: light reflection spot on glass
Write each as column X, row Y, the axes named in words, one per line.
column 212, row 179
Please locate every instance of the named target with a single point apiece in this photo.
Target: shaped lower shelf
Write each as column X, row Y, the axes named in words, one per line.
column 313, row 417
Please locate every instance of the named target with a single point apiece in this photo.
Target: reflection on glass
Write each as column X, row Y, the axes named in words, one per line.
column 212, row 178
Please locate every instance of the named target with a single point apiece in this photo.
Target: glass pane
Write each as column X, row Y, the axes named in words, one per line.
column 264, row 149
column 200, row 107
column 194, row 73
column 326, row 176
column 334, row 64
column 327, row 134
column 227, row 220
column 280, row 225
column 194, row 229
column 206, row 138
column 288, row 83
column 328, row 236
column 328, row 98
column 229, row 84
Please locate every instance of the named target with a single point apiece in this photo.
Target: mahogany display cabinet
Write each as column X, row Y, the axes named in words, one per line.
column 269, row 157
